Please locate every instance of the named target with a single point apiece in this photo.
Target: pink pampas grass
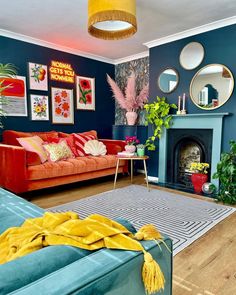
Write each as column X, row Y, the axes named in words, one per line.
column 130, row 94
column 117, row 93
column 130, row 101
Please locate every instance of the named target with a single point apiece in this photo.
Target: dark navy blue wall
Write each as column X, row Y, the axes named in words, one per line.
column 220, row 47
column 20, row 53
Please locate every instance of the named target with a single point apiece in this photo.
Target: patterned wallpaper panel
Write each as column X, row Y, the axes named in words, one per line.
column 122, row 71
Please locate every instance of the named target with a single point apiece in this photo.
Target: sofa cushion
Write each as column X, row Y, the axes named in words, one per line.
column 58, row 151
column 33, row 144
column 10, row 136
column 80, row 141
column 46, row 136
column 91, row 132
column 32, row 159
column 72, row 166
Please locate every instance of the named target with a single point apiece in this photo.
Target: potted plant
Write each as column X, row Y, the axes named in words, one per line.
column 226, row 173
column 6, row 71
column 130, row 102
column 199, row 175
column 131, row 142
column 157, row 114
column 140, row 150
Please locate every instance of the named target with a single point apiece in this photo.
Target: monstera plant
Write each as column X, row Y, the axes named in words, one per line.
column 6, row 71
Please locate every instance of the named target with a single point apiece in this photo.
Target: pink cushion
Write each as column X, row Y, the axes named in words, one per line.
column 80, row 141
column 33, row 144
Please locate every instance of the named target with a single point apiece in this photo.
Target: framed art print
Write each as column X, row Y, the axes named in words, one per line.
column 85, row 93
column 15, row 95
column 39, row 107
column 38, row 76
column 62, row 106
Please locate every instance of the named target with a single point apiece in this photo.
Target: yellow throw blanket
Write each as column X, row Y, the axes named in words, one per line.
column 92, row 233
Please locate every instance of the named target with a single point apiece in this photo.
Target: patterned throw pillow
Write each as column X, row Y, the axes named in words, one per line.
column 80, row 141
column 33, row 144
column 58, row 151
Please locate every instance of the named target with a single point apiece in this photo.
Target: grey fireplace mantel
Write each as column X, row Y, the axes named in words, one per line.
column 212, row 121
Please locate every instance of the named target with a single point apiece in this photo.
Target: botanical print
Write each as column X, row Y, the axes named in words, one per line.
column 85, row 92
column 38, row 76
column 15, row 95
column 39, row 107
column 62, row 106
column 122, row 71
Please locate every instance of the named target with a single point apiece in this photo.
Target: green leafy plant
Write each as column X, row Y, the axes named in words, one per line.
column 226, row 173
column 157, row 114
column 6, row 71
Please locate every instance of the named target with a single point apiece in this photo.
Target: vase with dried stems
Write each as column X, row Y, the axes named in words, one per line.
column 130, row 101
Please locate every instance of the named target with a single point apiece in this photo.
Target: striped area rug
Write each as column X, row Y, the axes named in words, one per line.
column 182, row 218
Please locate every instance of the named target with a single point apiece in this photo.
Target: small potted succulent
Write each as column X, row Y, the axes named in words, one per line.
column 140, row 150
column 199, row 176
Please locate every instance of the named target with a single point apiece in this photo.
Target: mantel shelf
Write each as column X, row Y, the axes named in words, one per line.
column 202, row 115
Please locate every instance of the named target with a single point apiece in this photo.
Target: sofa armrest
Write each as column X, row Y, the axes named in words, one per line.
column 113, row 146
column 13, row 168
column 112, row 272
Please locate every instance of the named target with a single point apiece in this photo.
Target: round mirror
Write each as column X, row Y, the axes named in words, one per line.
column 168, row 80
column 212, row 86
column 191, row 55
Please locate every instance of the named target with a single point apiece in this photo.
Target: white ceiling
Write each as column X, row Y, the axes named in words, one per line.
column 64, row 22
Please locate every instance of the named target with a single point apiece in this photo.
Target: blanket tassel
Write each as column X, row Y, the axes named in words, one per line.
column 153, row 277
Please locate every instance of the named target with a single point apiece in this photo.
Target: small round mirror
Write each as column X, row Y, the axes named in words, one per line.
column 212, row 86
column 168, row 80
column 191, row 55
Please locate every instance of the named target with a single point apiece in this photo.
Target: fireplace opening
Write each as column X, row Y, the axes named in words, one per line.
column 184, row 147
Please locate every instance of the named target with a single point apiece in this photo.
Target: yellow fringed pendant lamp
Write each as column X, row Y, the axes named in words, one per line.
column 112, row 19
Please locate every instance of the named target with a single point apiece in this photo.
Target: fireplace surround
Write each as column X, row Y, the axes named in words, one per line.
column 212, row 122
column 185, row 146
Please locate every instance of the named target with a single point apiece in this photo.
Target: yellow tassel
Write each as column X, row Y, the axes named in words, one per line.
column 153, row 277
column 148, row 232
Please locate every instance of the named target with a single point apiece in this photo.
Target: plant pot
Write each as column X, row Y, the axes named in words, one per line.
column 131, row 118
column 140, row 152
column 198, row 179
column 130, row 148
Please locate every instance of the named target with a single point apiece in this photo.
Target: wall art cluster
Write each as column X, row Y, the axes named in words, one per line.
column 61, row 100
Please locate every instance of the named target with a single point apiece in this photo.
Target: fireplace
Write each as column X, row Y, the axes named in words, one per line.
column 212, row 122
column 185, row 146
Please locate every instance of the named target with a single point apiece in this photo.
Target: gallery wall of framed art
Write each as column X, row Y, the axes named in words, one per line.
column 44, row 69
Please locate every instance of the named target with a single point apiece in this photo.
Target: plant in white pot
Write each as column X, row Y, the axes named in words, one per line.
column 130, row 101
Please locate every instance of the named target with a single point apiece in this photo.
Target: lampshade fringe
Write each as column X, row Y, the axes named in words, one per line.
column 112, row 15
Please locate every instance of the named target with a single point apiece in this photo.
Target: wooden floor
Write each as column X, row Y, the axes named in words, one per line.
column 207, row 267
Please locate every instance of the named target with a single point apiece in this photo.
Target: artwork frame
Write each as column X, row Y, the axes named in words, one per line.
column 85, row 93
column 16, row 97
column 62, row 102
column 38, row 76
column 39, row 107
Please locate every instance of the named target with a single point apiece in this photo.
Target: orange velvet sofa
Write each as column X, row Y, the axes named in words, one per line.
column 22, row 171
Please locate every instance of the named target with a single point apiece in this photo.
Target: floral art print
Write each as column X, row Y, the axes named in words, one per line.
column 62, row 106
column 38, row 76
column 39, row 107
column 85, row 92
